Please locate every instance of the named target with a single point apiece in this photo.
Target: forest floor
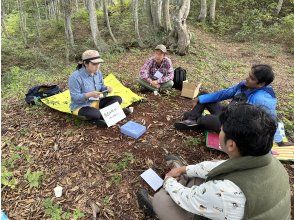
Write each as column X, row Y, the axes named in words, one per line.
column 103, row 166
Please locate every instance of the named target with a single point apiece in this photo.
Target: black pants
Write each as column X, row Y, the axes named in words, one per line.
column 94, row 114
column 207, row 122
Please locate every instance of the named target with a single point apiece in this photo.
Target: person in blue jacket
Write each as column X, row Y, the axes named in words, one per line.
column 255, row 90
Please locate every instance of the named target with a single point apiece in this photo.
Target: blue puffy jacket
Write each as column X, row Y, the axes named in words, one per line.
column 264, row 96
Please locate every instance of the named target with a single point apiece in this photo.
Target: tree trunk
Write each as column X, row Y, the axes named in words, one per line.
column 136, row 21
column 179, row 38
column 38, row 22
column 212, row 10
column 3, row 19
column 57, row 10
column 279, row 7
column 77, row 5
column 203, row 11
column 156, row 13
column 148, row 13
column 98, row 41
column 67, row 20
column 105, row 11
column 46, row 10
column 122, row 5
column 22, row 20
column 166, row 16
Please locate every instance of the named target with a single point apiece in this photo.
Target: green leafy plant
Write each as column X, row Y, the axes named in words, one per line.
column 7, row 178
column 54, row 211
column 191, row 141
column 120, row 166
column 78, row 214
column 34, row 178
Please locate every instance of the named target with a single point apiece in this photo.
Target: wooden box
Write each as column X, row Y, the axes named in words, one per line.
column 190, row 90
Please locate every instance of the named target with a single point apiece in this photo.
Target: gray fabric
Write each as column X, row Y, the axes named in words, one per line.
column 166, row 209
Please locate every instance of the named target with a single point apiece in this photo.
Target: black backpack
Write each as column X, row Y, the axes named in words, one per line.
column 179, row 77
column 39, row 92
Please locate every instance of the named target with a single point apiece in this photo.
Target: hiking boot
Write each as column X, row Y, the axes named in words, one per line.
column 100, row 123
column 145, row 203
column 285, row 144
column 175, row 161
column 186, row 125
column 127, row 111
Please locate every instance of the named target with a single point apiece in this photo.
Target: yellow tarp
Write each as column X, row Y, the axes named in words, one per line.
column 61, row 101
column 283, row 153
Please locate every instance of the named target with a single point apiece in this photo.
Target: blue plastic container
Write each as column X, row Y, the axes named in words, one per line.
column 3, row 216
column 133, row 129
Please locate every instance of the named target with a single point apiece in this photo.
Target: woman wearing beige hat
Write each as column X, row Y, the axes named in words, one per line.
column 87, row 89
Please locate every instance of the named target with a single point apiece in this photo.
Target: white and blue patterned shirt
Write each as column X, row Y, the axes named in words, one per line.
column 81, row 82
column 216, row 199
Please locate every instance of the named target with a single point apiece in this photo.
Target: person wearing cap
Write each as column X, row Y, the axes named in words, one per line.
column 157, row 73
column 87, row 89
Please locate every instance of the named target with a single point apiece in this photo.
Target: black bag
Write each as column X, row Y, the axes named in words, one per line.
column 179, row 77
column 39, row 92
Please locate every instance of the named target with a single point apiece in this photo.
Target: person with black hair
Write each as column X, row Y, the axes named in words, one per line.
column 255, row 90
column 87, row 89
column 251, row 184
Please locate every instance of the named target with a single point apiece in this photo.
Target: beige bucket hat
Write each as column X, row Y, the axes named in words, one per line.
column 92, row 55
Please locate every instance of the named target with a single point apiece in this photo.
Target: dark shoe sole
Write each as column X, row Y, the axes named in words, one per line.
column 183, row 127
column 101, row 124
column 144, row 203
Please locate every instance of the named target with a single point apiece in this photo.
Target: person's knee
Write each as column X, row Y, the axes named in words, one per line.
column 209, row 122
column 118, row 99
column 160, row 200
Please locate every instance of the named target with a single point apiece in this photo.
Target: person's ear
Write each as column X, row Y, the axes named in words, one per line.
column 261, row 84
column 231, row 146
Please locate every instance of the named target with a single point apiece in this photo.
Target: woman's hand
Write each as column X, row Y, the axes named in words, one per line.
column 109, row 89
column 94, row 94
column 176, row 172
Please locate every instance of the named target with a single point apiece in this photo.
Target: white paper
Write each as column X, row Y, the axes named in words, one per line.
column 93, row 99
column 112, row 114
column 158, row 74
column 152, row 179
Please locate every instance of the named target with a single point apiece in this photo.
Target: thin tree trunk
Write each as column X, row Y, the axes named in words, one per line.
column 136, row 21
column 179, row 38
column 77, row 5
column 23, row 27
column 57, row 11
column 67, row 20
column 279, row 7
column 38, row 22
column 166, row 16
column 148, row 13
column 156, row 13
column 105, row 11
column 203, row 11
column 122, row 5
column 3, row 19
column 98, row 41
column 212, row 10
column 46, row 10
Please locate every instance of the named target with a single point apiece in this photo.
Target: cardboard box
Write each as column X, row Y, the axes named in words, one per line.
column 190, row 90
